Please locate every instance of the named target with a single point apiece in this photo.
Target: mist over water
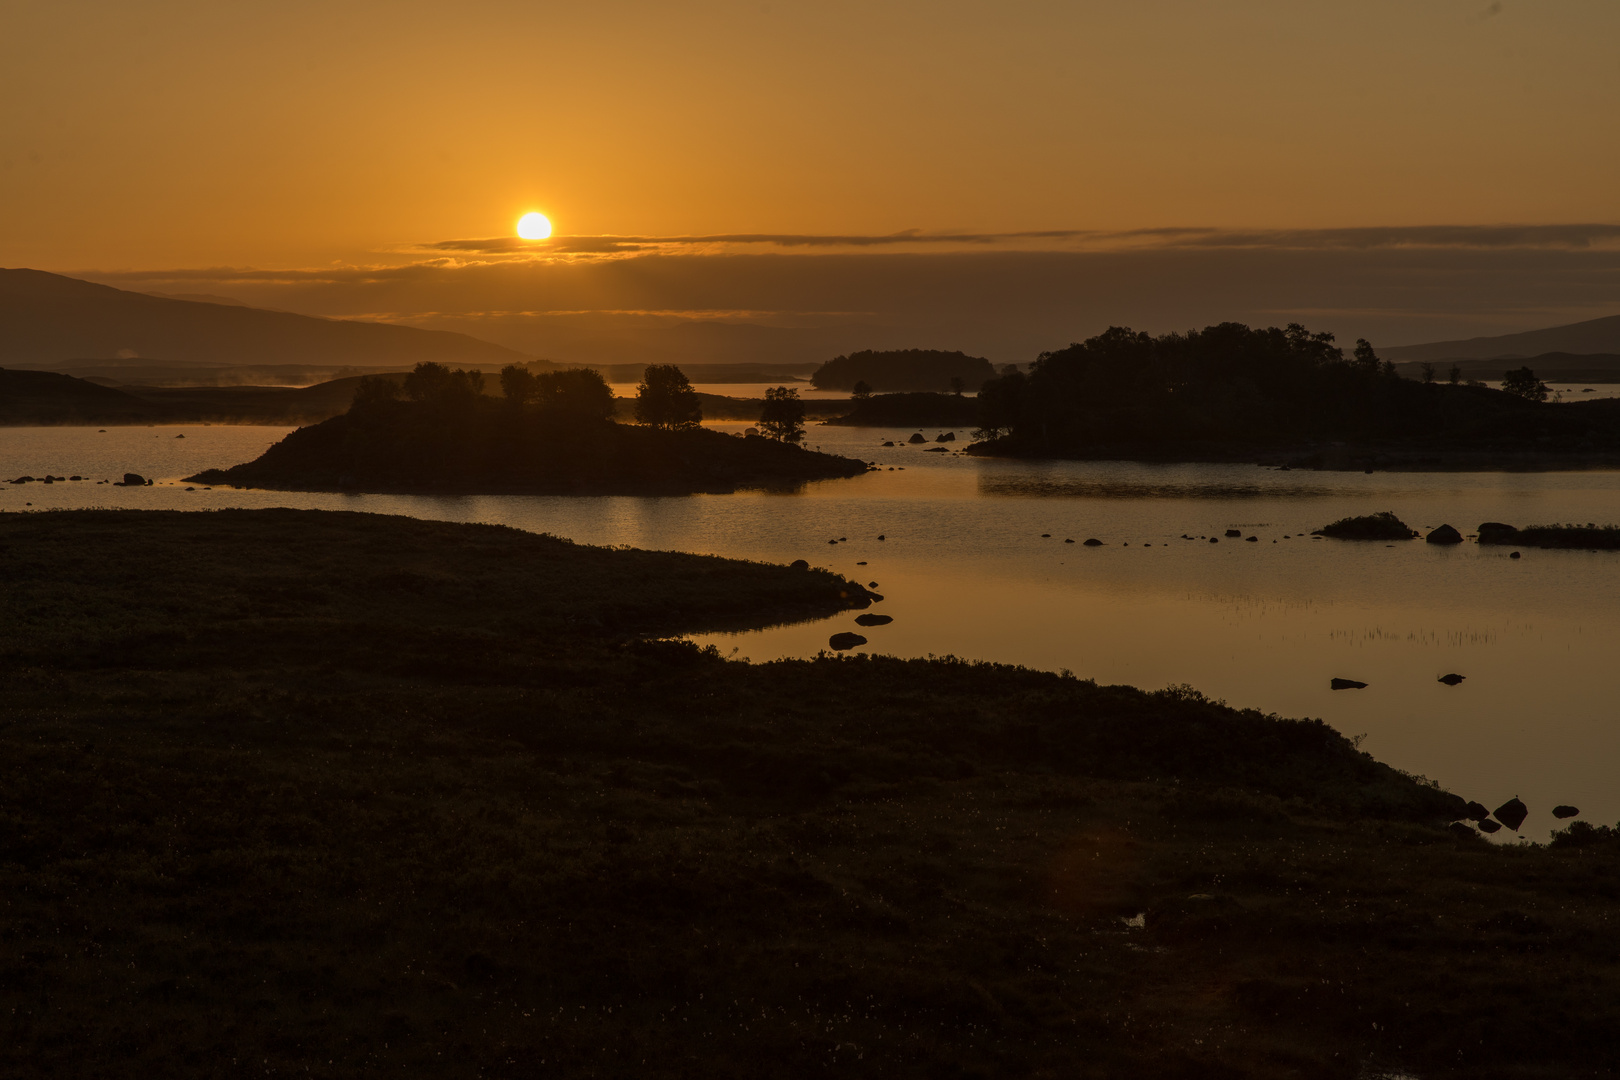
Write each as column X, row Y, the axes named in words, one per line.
column 965, row 571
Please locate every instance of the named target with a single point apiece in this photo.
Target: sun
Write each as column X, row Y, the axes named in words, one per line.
column 533, row 226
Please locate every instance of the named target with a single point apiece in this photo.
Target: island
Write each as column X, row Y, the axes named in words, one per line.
column 437, row 431
column 1287, row 397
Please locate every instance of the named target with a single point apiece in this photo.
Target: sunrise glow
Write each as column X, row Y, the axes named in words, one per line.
column 534, row 226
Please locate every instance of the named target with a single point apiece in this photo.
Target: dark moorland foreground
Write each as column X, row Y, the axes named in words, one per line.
column 475, row 444
column 1280, row 396
column 338, row 794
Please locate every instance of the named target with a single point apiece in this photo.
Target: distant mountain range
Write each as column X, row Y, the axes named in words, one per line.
column 1583, row 338
column 51, row 322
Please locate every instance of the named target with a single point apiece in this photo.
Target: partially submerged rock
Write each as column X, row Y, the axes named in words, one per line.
column 1453, row 679
column 1380, row 526
column 1347, row 684
column 846, row 640
column 1512, row 813
column 870, row 619
column 1445, row 534
column 1563, row 810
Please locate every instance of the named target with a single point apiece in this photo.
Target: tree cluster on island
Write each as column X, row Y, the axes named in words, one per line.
column 550, row 431
column 1274, row 387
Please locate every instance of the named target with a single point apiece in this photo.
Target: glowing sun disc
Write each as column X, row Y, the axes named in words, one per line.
column 532, row 226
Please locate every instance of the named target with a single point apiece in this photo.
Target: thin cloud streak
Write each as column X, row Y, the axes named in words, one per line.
column 1553, row 237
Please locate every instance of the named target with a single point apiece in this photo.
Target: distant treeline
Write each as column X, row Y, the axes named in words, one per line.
column 1230, row 384
column 903, row 370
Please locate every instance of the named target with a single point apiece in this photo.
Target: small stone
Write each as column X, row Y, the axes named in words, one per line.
column 1214, row 540
column 1069, row 541
column 1513, row 555
column 1234, row 532
column 1453, row 679
column 1251, row 539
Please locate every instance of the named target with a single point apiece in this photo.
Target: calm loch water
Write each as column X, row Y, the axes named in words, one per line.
column 966, row 571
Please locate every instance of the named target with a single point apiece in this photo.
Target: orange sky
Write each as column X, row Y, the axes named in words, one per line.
column 291, row 133
column 370, row 159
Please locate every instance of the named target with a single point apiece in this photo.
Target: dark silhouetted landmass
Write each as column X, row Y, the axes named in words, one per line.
column 1552, row 367
column 47, row 320
column 1589, row 537
column 44, row 397
column 910, row 410
column 1592, row 336
column 1286, row 395
column 480, row 444
column 1381, row 526
column 902, row 370
column 350, row 795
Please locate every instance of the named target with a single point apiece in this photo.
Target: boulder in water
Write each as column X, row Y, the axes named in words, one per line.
column 1093, row 542
column 1445, row 534
column 1453, row 679
column 1496, row 532
column 948, row 436
column 917, row 438
column 845, row 640
column 1346, row 684
column 133, row 480
column 1563, row 811
column 1512, row 813
column 873, row 620
column 1234, row 532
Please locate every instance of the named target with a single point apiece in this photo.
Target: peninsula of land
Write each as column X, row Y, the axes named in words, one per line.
column 351, row 794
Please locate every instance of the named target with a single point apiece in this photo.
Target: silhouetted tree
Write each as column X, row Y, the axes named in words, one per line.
column 1428, row 373
column 1366, row 358
column 574, row 394
column 517, row 384
column 1524, row 383
column 958, row 385
column 1001, row 402
column 860, row 391
column 782, row 416
column 1454, row 376
column 433, row 382
column 373, row 391
column 665, row 399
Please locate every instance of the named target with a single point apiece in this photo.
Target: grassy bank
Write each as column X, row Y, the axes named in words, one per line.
column 338, row 794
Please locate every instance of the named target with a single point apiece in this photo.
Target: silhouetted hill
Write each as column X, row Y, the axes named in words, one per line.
column 47, row 320
column 903, row 370
column 484, row 445
column 1592, row 336
column 44, row 397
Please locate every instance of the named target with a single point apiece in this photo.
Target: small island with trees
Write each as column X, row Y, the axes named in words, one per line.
column 550, row 432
